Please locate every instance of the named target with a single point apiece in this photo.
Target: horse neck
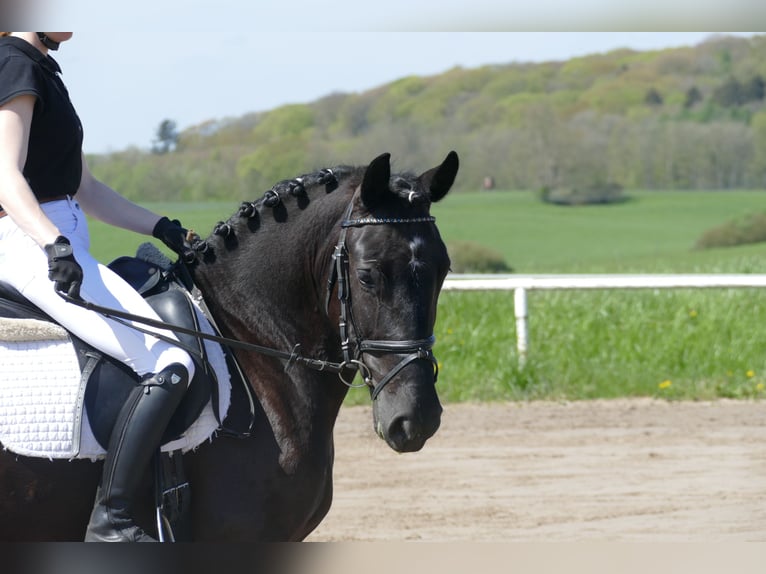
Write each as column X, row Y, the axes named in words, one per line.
column 270, row 290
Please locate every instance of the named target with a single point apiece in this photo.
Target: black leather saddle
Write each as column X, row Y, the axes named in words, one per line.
column 109, row 382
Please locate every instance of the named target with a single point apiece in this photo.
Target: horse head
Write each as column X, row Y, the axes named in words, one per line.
column 378, row 275
column 396, row 264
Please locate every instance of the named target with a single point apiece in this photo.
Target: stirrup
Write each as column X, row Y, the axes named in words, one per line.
column 172, row 495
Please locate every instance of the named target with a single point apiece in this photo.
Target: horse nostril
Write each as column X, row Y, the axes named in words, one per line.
column 409, row 430
column 401, row 428
column 405, row 435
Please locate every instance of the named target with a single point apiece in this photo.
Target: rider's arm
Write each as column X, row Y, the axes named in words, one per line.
column 102, row 202
column 16, row 196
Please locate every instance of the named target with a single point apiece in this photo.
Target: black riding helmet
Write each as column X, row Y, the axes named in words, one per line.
column 47, row 42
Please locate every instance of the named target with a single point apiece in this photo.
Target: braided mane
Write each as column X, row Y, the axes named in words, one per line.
column 401, row 186
column 250, row 210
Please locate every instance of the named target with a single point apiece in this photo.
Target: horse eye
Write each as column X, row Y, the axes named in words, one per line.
column 365, row 277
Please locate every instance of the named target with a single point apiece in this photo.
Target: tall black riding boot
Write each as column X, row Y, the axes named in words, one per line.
column 135, row 438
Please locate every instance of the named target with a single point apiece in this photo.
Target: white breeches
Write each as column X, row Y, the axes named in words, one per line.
column 23, row 265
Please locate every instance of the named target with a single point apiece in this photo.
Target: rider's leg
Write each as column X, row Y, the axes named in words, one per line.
column 134, row 440
column 143, row 420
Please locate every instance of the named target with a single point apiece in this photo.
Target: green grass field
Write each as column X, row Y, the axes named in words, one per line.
column 678, row 344
column 653, row 232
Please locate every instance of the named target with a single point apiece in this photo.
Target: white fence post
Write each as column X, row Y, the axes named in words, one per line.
column 520, row 310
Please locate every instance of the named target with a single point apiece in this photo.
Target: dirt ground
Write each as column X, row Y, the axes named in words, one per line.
column 624, row 470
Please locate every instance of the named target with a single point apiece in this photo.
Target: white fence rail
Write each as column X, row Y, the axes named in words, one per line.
column 520, row 284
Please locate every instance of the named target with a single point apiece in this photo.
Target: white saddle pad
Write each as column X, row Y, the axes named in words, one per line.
column 41, row 407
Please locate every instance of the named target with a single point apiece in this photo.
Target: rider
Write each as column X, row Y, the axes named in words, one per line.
column 45, row 185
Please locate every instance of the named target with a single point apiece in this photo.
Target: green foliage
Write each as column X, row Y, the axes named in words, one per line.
column 473, row 257
column 653, row 97
column 406, row 88
column 287, row 121
column 282, row 142
column 729, row 94
column 758, row 164
column 735, row 93
column 272, row 162
column 596, row 194
column 513, row 109
column 742, row 231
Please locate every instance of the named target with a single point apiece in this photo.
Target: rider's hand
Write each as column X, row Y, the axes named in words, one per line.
column 173, row 234
column 63, row 269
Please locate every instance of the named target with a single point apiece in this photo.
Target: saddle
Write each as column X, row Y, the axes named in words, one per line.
column 107, row 381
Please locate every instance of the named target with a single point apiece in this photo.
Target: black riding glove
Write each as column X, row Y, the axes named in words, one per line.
column 173, row 234
column 62, row 267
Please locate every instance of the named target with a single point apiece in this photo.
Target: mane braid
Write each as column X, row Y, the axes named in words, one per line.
column 223, row 229
column 296, row 187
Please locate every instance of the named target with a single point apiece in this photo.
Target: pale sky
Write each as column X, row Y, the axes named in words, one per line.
column 134, row 64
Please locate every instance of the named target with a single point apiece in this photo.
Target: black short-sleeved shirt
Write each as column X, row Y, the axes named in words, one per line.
column 54, row 160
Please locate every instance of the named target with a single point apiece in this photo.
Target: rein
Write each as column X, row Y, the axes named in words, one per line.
column 291, row 357
column 415, row 349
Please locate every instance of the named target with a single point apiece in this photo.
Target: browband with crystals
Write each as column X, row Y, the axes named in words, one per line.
column 385, row 221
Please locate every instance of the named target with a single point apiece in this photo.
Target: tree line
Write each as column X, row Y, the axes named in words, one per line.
column 684, row 118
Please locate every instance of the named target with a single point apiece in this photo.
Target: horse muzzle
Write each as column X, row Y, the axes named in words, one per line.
column 408, row 412
column 408, row 434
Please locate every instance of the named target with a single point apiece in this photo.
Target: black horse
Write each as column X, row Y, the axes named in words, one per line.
column 348, row 264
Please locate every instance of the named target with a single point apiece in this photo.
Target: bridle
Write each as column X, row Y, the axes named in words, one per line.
column 414, row 349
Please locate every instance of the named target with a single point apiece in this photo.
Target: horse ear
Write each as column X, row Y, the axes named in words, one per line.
column 376, row 178
column 439, row 180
